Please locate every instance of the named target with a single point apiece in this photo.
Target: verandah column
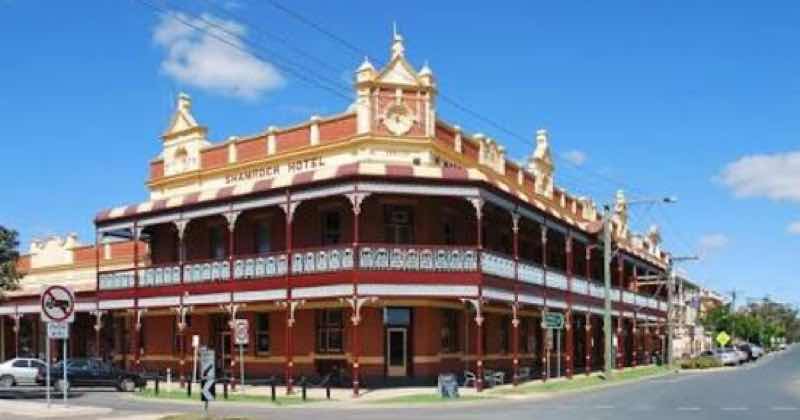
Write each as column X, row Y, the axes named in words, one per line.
column 97, row 312
column 231, row 218
column 589, row 341
column 515, row 305
column 635, row 331
column 137, row 326
column 180, row 225
column 290, row 305
column 477, row 202
column 621, row 314
column 355, row 302
column 569, row 339
column 545, row 336
column 16, row 316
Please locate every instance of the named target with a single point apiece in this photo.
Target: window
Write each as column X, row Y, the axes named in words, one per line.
column 217, row 242
column 331, row 227
column 262, row 237
column 398, row 224
column 448, row 233
column 397, row 317
column 449, row 330
column 330, row 330
column 20, row 364
column 262, row 333
column 505, row 324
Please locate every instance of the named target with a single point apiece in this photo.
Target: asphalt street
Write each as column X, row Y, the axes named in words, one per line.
column 768, row 389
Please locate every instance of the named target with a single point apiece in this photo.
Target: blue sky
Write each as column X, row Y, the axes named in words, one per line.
column 698, row 100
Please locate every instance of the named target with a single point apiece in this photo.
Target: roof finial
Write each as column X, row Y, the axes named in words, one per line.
column 397, row 42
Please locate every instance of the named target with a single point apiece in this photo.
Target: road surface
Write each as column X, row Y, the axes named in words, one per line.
column 768, row 389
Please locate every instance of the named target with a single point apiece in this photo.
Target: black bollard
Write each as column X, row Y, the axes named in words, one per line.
column 304, row 388
column 157, row 380
column 189, row 389
column 328, row 391
column 272, row 384
column 225, row 389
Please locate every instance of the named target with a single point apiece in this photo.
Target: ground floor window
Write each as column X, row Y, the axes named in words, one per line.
column 449, row 330
column 505, row 325
column 330, row 330
column 262, row 333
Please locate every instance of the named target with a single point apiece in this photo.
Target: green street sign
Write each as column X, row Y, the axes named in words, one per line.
column 553, row 320
column 723, row 338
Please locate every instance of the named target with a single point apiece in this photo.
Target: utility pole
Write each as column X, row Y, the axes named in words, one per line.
column 608, row 349
column 608, row 358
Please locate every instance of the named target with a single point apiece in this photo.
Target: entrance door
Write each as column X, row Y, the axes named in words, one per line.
column 396, row 349
column 224, row 351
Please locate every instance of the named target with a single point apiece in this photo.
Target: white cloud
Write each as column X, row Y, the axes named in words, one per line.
column 197, row 56
column 794, row 228
column 576, row 157
column 712, row 242
column 775, row 176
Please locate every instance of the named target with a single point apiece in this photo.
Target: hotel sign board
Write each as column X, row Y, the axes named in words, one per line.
column 270, row 171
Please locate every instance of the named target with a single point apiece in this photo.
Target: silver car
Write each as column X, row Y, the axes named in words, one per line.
column 726, row 357
column 19, row 371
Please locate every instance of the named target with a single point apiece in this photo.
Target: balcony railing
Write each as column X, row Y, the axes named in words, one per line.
column 368, row 257
column 417, row 258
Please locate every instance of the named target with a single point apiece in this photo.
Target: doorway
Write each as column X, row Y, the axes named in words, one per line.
column 397, row 351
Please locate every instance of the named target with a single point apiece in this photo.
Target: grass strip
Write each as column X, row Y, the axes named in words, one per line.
column 283, row 400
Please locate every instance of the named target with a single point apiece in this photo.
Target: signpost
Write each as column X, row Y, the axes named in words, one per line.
column 555, row 321
column 723, row 339
column 58, row 309
column 208, row 375
column 241, row 337
column 195, row 347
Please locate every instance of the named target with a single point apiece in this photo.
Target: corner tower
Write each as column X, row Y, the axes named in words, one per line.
column 398, row 100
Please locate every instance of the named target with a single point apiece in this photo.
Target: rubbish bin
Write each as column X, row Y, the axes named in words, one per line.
column 448, row 385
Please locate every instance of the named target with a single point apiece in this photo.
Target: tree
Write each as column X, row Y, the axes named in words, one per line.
column 9, row 277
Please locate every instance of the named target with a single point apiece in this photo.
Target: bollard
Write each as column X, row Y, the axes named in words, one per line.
column 188, row 388
column 304, row 387
column 273, row 389
column 169, row 378
column 157, row 381
column 328, row 390
column 225, row 389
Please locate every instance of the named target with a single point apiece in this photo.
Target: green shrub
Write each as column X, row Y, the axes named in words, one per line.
column 700, row 362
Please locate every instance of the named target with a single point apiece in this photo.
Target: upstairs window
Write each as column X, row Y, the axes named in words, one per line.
column 331, row 227
column 398, row 224
column 263, row 240
column 216, row 238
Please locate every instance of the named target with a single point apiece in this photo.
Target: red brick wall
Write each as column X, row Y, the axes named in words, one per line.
column 331, row 131
column 251, row 149
column 291, row 140
column 156, row 170
column 214, row 158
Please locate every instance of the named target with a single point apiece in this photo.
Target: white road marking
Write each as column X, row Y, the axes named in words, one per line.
column 783, row 408
column 604, row 407
column 735, row 408
column 688, row 408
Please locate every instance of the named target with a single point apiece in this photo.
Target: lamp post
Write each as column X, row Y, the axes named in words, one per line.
column 607, row 255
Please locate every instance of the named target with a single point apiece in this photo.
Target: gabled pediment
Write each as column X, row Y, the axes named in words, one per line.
column 399, row 72
column 182, row 120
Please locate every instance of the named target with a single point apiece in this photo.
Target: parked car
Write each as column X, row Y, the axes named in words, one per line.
column 19, row 371
column 740, row 354
column 726, row 357
column 91, row 373
column 752, row 351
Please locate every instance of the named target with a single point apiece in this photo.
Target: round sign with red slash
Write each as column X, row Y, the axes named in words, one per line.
column 58, row 304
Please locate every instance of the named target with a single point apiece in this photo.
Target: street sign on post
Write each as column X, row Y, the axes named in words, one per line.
column 553, row 320
column 58, row 304
column 208, row 375
column 58, row 330
column 58, row 310
column 723, row 338
column 242, row 338
column 242, row 330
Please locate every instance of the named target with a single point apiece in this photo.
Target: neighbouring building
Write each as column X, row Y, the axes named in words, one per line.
column 380, row 245
column 692, row 302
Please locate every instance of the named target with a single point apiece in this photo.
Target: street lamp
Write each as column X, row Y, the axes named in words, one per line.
column 608, row 351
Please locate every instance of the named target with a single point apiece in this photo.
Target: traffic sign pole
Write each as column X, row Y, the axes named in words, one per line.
column 47, row 372
column 65, row 389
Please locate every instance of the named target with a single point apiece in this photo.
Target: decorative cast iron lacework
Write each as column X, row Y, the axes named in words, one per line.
column 417, row 259
column 327, row 260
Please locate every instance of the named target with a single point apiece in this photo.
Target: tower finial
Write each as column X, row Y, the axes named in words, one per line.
column 397, row 42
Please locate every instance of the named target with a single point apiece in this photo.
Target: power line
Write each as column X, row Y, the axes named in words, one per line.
column 335, row 90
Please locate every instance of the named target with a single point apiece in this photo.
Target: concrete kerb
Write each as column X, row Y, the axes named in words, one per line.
column 36, row 409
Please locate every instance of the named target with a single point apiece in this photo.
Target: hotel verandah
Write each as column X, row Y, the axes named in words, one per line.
column 381, row 243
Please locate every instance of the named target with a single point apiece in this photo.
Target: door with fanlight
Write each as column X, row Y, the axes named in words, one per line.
column 397, row 351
